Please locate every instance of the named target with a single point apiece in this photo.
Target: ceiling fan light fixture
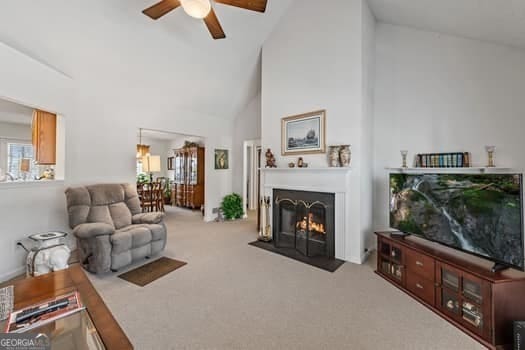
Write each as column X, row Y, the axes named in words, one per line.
column 196, row 8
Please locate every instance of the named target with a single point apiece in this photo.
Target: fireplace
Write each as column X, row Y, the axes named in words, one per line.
column 304, row 221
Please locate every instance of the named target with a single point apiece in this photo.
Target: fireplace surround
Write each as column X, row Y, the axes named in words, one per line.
column 340, row 181
column 304, row 221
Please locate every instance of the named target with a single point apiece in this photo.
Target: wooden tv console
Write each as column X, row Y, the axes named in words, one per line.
column 457, row 286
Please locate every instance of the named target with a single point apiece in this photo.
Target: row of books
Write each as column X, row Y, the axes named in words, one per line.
column 443, row 160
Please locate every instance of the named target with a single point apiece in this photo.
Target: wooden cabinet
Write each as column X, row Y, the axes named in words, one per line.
column 390, row 261
column 465, row 298
column 188, row 164
column 44, row 137
column 457, row 286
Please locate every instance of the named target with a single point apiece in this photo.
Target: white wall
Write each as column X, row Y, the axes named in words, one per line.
column 439, row 93
column 102, row 119
column 368, row 55
column 31, row 208
column 15, row 131
column 314, row 60
column 247, row 126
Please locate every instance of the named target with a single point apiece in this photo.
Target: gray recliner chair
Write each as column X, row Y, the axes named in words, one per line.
column 110, row 228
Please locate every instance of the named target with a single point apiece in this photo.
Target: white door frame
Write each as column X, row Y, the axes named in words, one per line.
column 249, row 146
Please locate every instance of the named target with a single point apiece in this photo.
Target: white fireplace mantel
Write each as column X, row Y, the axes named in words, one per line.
column 328, row 180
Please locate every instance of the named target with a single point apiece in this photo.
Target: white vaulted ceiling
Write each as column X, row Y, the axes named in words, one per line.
column 111, row 47
column 499, row 21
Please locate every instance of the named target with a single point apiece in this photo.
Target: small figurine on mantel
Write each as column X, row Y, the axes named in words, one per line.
column 270, row 159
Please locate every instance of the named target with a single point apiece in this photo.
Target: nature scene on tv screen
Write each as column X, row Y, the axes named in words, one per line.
column 476, row 213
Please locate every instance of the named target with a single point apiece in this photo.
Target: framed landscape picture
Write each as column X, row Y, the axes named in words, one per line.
column 303, row 134
column 221, row 159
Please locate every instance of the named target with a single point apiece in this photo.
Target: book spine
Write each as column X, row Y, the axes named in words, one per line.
column 467, row 159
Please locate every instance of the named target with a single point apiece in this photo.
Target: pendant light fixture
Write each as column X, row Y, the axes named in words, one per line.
column 196, row 8
column 142, row 150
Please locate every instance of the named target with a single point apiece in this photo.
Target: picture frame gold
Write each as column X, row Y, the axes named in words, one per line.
column 304, row 133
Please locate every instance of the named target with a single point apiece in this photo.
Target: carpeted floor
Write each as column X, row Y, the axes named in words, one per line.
column 235, row 296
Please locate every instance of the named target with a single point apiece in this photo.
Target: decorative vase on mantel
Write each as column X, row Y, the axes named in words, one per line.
column 345, row 155
column 333, row 156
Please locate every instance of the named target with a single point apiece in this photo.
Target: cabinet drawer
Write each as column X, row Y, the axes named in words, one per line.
column 420, row 264
column 421, row 287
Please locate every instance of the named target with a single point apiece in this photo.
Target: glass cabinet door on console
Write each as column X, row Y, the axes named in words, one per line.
column 464, row 297
column 391, row 261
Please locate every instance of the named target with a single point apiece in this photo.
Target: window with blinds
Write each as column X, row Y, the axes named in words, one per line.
column 15, row 153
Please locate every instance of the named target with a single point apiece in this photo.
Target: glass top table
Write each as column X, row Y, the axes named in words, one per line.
column 75, row 331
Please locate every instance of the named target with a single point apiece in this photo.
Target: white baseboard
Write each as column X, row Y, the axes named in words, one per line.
column 12, row 274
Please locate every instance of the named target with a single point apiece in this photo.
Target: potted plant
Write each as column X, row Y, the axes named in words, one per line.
column 231, row 206
column 142, row 178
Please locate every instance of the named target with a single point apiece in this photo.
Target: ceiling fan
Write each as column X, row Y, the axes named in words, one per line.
column 202, row 9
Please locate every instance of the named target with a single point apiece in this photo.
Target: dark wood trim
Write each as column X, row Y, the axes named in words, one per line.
column 33, row 290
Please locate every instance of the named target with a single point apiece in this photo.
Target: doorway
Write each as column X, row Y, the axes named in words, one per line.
column 177, row 162
column 251, row 176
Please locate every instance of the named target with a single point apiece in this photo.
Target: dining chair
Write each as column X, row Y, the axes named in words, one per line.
column 158, row 195
column 147, row 201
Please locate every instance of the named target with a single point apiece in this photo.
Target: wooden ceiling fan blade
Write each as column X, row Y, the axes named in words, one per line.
column 160, row 9
column 215, row 28
column 253, row 5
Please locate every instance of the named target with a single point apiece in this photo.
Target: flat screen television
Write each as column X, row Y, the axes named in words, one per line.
column 476, row 213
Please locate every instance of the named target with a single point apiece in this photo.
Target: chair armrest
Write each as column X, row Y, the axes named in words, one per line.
column 93, row 230
column 148, row 218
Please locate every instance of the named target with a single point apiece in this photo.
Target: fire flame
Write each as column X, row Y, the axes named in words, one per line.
column 309, row 221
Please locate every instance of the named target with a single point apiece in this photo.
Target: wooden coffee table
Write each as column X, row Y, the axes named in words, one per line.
column 36, row 289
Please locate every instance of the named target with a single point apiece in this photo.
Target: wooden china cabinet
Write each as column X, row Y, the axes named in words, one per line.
column 189, row 177
column 457, row 286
